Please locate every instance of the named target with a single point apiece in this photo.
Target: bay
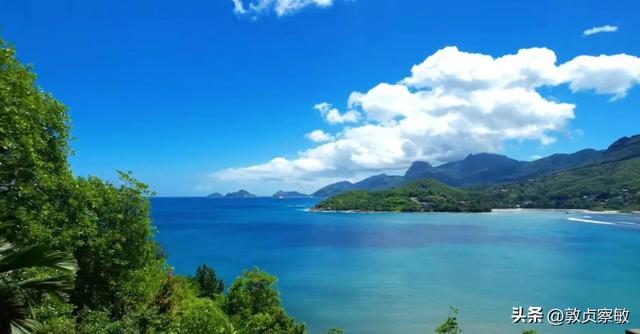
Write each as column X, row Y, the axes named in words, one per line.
column 383, row 273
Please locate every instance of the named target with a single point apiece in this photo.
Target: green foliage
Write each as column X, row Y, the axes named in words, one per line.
column 254, row 305
column 607, row 186
column 202, row 316
column 421, row 195
column 34, row 128
column 450, row 326
column 101, row 322
column 529, row 331
column 335, row 331
column 113, row 242
column 98, row 322
column 187, row 313
column 55, row 317
column 252, row 293
column 208, row 282
column 21, row 291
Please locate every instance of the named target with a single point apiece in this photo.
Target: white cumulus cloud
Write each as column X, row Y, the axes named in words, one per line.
column 333, row 115
column 279, row 7
column 597, row 30
column 613, row 75
column 453, row 103
column 319, row 136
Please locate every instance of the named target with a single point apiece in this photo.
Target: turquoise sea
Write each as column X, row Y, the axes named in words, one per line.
column 384, row 273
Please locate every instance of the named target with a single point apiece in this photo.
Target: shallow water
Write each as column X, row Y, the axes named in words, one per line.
column 398, row 273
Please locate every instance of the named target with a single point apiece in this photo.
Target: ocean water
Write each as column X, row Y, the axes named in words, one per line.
column 384, row 273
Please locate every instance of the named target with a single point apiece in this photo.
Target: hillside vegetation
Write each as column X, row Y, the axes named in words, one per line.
column 607, row 186
column 417, row 196
column 611, row 185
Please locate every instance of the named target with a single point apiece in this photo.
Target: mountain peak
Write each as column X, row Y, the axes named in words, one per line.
column 417, row 168
column 624, row 142
column 476, row 163
column 487, row 156
column 420, row 164
column 624, row 148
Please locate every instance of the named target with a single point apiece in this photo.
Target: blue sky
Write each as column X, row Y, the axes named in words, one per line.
column 194, row 96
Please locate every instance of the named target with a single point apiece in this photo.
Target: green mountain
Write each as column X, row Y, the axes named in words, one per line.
column 240, row 194
column 623, row 148
column 602, row 180
column 417, row 169
column 334, row 189
column 544, row 166
column 215, row 195
column 478, row 168
column 613, row 185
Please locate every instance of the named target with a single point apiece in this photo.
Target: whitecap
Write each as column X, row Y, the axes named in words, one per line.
column 591, row 221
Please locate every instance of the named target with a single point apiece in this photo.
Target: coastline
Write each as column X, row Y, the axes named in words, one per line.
column 574, row 211
column 510, row 210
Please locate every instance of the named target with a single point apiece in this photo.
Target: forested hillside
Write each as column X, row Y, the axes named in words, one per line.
column 610, row 185
column 417, row 196
column 607, row 186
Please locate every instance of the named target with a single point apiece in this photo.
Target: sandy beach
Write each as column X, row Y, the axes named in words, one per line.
column 572, row 211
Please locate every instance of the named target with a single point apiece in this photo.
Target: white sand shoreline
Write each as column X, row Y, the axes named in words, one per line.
column 572, row 211
column 513, row 210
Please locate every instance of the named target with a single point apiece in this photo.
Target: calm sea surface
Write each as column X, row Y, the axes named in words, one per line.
column 398, row 273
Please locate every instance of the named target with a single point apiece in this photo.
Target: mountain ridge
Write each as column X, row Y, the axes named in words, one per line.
column 610, row 185
column 490, row 168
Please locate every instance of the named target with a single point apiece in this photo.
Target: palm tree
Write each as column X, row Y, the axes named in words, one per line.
column 18, row 296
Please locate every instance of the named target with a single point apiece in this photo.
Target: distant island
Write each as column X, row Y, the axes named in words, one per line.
column 290, row 194
column 237, row 194
column 589, row 179
column 245, row 194
column 240, row 194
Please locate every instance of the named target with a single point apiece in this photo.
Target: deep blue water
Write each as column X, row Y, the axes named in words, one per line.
column 398, row 273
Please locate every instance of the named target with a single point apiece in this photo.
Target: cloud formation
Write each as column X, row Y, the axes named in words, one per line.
column 319, row 136
column 453, row 103
column 597, row 30
column 613, row 75
column 333, row 115
column 255, row 8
